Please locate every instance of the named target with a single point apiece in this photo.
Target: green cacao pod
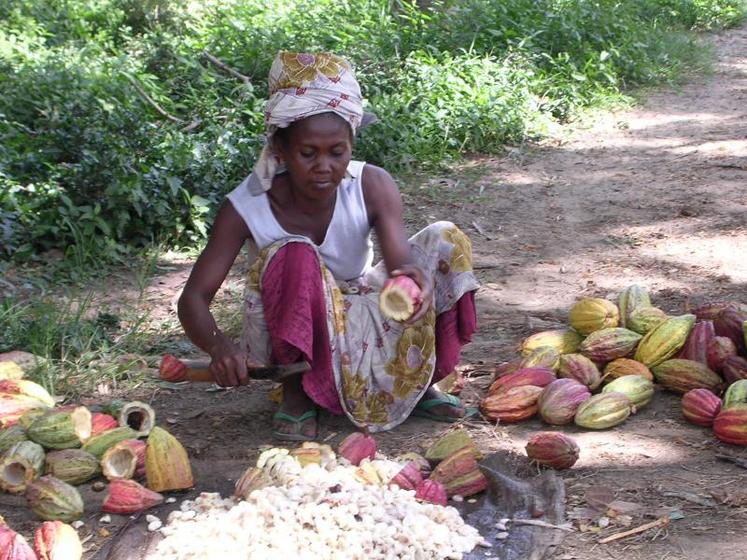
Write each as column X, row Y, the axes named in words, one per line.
column 51, row 499
column 735, row 394
column 664, row 341
column 544, row 356
column 603, row 411
column 20, row 465
column 638, row 389
column 97, row 445
column 73, row 466
column 730, row 425
column 629, row 299
column 564, row 341
column 625, row 366
column 643, row 319
column 592, row 314
column 609, row 344
column 680, row 376
column 64, row 429
column 10, row 436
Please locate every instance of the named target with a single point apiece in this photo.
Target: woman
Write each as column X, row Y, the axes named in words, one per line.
column 312, row 292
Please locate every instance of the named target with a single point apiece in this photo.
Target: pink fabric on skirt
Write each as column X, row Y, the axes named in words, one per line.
column 295, row 313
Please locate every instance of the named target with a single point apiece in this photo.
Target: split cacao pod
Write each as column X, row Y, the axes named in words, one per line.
column 564, row 341
column 700, row 406
column 14, row 405
column 97, row 445
column 56, row 540
column 630, row 299
column 356, row 447
column 431, row 491
column 101, row 422
column 167, row 465
column 625, row 366
column 253, row 479
column 580, row 368
column 51, row 499
column 544, row 356
column 664, row 341
column 139, row 416
column 125, row 496
column 728, row 323
column 696, row 345
column 13, row 546
column 552, row 449
column 422, row 463
column 734, row 368
column 20, row 466
column 511, row 405
column 450, row 443
column 409, row 476
column 399, row 298
column 604, row 410
column 537, row 376
column 638, row 389
column 644, row 319
column 735, row 394
column 10, row 370
column 592, row 314
column 719, row 349
column 73, row 466
column 26, row 388
column 608, row 344
column 558, row 402
column 460, row 474
column 682, row 375
column 119, row 461
column 65, row 429
column 730, row 425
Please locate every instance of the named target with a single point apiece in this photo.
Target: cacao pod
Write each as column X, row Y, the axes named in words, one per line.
column 423, row 463
column 735, row 394
column 139, row 416
column 730, row 425
column 53, row 500
column 700, row 406
column 664, row 341
column 511, row 405
column 13, row 406
column 728, row 323
column 56, row 540
column 449, row 444
column 166, row 462
column 538, row 376
column 307, row 456
column 644, row 319
column 504, row 368
column 64, row 429
column 101, row 422
column 734, row 368
column 719, row 348
column 460, row 474
column 558, row 402
column 253, row 479
column 638, row 389
column 399, row 298
column 709, row 311
column 171, row 369
column 564, row 341
column 97, row 445
column 431, row 491
column 10, row 436
column 552, row 449
column 31, row 416
column 28, row 389
column 10, row 370
column 608, row 344
column 125, row 496
column 544, row 356
column 409, row 477
column 13, row 546
column 367, row 473
column 696, row 345
column 73, row 466
column 21, row 465
column 356, row 447
column 592, row 314
column 630, row 299
column 603, row 411
column 625, row 366
column 682, row 375
column 580, row 368
column 119, row 461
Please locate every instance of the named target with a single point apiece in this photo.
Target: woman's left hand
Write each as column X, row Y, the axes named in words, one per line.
column 426, row 289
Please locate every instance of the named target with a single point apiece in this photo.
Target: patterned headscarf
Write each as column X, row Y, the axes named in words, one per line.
column 302, row 85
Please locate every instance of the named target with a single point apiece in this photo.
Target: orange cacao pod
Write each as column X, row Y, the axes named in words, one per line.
column 538, row 376
column 625, row 366
column 511, row 405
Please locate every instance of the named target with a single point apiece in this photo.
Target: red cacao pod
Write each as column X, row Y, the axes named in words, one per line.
column 172, row 369
column 580, row 368
column 13, row 546
column 552, row 449
column 126, row 496
column 719, row 348
column 356, row 447
column 729, row 323
column 734, row 368
column 709, row 311
column 730, row 425
column 696, row 345
column 409, row 477
column 558, row 401
column 504, row 368
column 431, row 491
column 700, row 406
column 606, row 345
column 460, row 474
column 101, row 422
column 537, row 376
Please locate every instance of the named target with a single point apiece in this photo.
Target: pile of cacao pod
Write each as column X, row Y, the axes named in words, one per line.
column 603, row 367
column 46, row 451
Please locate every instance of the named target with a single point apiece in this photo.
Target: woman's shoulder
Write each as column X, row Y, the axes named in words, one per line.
column 375, row 178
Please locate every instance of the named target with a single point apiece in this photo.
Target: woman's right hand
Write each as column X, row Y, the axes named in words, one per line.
column 229, row 365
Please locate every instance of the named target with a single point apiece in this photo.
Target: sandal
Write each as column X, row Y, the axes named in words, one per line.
column 423, row 409
column 297, row 421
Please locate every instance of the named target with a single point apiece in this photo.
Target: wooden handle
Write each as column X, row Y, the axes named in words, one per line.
column 199, row 375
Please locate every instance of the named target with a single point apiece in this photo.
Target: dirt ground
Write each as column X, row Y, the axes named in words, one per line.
column 654, row 196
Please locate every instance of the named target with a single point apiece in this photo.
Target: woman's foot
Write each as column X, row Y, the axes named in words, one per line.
column 295, row 420
column 438, row 404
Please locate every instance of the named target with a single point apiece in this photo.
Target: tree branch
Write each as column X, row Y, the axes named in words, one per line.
column 226, row 68
column 161, row 111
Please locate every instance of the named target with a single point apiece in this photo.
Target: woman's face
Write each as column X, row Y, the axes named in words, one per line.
column 316, row 152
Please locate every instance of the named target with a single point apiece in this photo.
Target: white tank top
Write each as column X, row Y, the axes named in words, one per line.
column 347, row 249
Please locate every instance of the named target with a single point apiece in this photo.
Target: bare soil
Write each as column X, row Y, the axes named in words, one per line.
column 654, row 196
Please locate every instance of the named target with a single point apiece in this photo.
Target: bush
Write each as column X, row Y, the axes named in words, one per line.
column 115, row 130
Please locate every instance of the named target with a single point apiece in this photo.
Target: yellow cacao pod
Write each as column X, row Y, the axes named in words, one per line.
column 565, row 341
column 663, row 341
column 167, row 465
column 603, row 411
column 591, row 314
